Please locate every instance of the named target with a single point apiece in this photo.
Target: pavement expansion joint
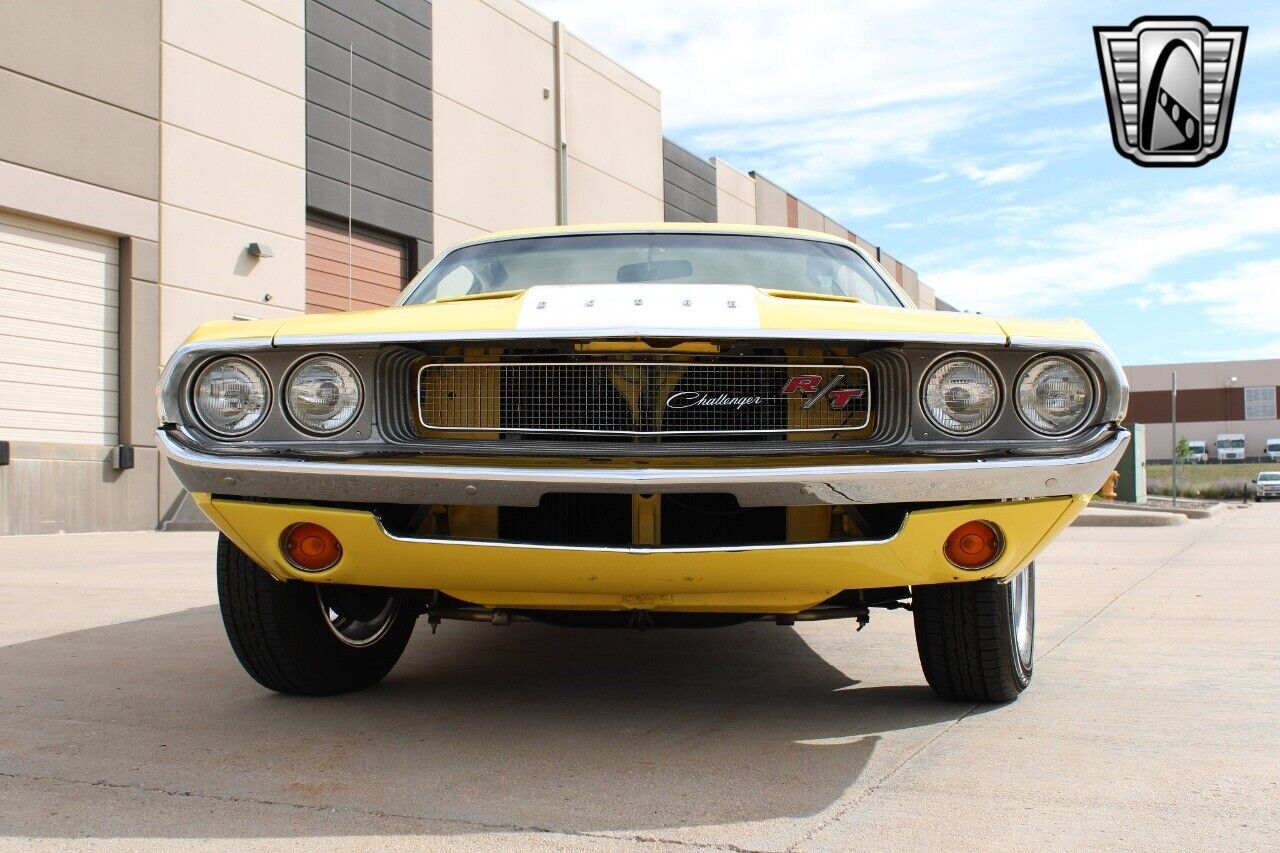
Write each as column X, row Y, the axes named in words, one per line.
column 473, row 824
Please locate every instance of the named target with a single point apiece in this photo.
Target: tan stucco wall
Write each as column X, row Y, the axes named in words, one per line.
column 771, row 202
column 493, row 129
column 809, row 217
column 735, row 194
column 1208, row 374
column 233, row 163
column 494, row 126
column 614, row 134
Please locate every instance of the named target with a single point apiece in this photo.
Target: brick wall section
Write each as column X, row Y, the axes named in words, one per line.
column 1194, row 404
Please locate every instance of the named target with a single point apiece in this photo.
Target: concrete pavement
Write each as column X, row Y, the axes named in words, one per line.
column 126, row 721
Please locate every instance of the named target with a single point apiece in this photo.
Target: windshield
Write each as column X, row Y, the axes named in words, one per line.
column 781, row 263
column 1231, row 443
column 1269, row 478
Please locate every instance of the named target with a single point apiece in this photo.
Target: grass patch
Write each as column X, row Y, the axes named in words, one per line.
column 1213, row 480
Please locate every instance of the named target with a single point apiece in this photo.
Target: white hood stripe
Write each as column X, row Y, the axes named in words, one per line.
column 655, row 307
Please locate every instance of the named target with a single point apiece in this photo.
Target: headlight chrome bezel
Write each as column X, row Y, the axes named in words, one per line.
column 286, row 393
column 990, row 370
column 1085, row 413
column 254, row 368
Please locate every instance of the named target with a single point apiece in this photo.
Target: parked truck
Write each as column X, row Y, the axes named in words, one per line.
column 1230, row 447
column 1197, row 454
column 1272, row 452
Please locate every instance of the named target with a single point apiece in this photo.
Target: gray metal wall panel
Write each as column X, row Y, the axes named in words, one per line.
column 688, row 185
column 390, row 101
column 699, row 209
column 401, row 121
column 369, row 76
column 393, row 217
column 696, row 185
column 675, row 214
column 325, row 125
column 378, row 178
column 371, row 24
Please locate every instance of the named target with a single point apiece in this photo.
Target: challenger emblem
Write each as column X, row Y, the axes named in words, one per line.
column 689, row 399
column 808, row 383
column 1171, row 86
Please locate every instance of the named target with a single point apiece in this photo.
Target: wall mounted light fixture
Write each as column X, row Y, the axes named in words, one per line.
column 260, row 250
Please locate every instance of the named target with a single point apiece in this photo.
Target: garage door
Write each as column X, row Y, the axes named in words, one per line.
column 378, row 267
column 59, row 347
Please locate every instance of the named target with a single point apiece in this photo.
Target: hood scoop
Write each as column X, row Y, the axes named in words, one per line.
column 813, row 297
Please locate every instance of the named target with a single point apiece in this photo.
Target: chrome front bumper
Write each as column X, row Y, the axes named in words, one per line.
column 508, row 485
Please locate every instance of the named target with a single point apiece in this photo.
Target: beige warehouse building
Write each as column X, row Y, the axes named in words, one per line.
column 1213, row 398
column 169, row 162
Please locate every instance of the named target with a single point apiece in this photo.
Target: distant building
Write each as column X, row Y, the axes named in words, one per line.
column 1213, row 398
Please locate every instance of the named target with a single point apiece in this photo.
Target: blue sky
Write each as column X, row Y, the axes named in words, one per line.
column 971, row 141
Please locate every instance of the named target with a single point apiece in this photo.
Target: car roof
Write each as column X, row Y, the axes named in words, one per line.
column 661, row 228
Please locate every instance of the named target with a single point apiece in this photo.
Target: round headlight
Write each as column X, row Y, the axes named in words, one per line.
column 323, row 394
column 1054, row 395
column 961, row 395
column 230, row 396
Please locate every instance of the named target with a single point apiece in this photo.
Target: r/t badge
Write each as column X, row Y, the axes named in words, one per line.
column 1170, row 85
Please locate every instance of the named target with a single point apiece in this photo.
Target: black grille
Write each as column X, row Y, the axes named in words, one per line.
column 682, row 401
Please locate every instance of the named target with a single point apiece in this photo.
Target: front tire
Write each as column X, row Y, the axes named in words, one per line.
column 309, row 639
column 976, row 639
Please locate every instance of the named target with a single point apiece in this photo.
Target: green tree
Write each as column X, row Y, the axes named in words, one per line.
column 1184, row 448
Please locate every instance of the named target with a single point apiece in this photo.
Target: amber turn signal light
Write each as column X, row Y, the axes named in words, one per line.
column 310, row 547
column 974, row 545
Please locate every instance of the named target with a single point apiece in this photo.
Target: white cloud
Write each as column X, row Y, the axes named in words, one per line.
column 810, row 92
column 1123, row 245
column 1256, row 127
column 739, row 61
column 975, row 129
column 1242, row 299
column 1003, row 174
column 1270, row 349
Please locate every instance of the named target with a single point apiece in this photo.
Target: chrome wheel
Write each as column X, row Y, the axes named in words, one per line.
column 1022, row 594
column 357, row 616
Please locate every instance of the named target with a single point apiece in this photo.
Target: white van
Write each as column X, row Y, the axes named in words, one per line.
column 1197, row 454
column 1273, row 450
column 1230, row 447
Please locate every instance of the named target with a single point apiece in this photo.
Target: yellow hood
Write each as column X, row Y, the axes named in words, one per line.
column 620, row 310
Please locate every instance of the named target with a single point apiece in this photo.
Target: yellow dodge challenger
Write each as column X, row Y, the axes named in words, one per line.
column 638, row 426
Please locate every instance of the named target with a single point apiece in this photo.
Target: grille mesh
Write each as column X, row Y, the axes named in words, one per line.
column 643, row 398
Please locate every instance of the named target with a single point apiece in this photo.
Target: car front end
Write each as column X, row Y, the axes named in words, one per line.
column 645, row 452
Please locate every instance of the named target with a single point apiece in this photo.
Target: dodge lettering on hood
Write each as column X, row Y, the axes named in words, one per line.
column 648, row 426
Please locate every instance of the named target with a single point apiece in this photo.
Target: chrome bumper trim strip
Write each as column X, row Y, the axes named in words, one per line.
column 505, row 485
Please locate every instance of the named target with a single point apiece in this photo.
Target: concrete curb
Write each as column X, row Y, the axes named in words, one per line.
column 1098, row 517
column 1204, row 511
